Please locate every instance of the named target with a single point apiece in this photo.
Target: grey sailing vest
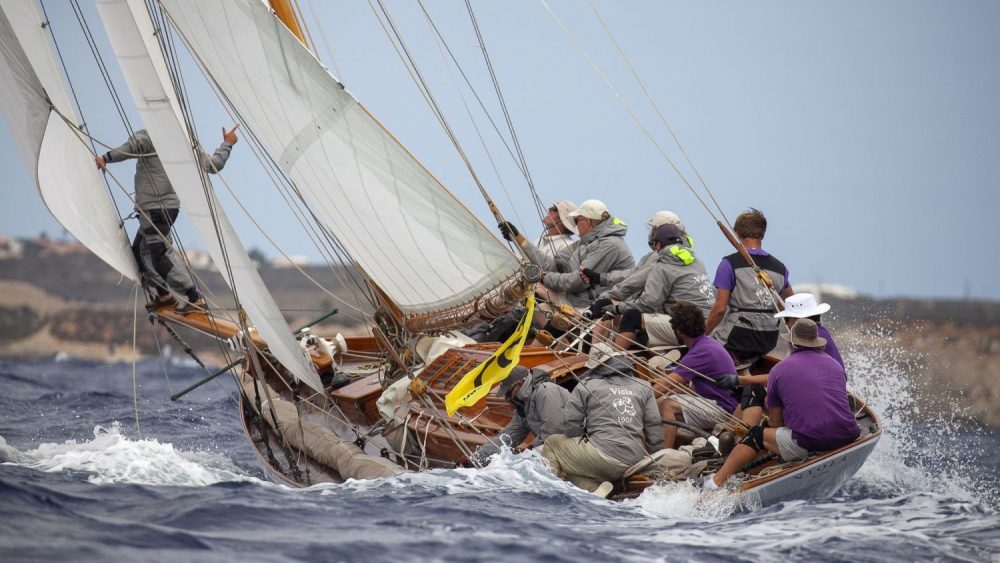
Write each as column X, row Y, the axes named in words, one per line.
column 751, row 305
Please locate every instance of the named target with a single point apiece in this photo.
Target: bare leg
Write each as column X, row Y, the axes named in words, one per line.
column 602, row 329
column 668, row 411
column 743, row 454
column 750, row 415
column 624, row 340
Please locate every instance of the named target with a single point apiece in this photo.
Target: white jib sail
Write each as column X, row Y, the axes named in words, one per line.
column 408, row 233
column 130, row 30
column 60, row 164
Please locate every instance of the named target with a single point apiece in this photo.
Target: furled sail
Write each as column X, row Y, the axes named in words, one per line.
column 60, row 164
column 420, row 245
column 130, row 30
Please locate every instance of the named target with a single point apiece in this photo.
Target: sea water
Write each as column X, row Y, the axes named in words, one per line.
column 94, row 471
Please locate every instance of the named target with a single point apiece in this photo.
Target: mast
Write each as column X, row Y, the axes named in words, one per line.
column 283, row 9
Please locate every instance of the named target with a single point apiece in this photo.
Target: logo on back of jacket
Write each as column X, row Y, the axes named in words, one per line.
column 624, row 405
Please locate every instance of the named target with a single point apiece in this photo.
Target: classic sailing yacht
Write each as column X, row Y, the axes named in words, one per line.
column 325, row 409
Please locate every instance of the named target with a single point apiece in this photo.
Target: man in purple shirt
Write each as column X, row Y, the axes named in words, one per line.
column 706, row 368
column 807, row 406
column 741, row 318
column 804, row 306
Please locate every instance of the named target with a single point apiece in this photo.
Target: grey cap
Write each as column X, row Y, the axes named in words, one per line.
column 516, row 374
column 805, row 334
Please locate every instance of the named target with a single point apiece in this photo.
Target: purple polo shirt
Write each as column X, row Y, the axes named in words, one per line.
column 830, row 348
column 707, row 357
column 725, row 277
column 811, row 388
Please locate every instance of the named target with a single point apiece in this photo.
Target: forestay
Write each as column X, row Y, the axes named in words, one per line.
column 405, row 230
column 60, row 163
column 130, row 30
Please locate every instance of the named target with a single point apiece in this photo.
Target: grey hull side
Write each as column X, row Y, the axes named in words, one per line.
column 818, row 479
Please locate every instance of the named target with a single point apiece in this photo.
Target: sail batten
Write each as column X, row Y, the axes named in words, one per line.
column 60, row 164
column 408, row 234
column 131, row 32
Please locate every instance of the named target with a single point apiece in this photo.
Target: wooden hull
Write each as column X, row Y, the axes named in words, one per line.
column 442, row 441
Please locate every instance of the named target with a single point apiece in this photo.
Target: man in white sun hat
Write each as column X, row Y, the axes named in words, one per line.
column 808, row 407
column 804, row 306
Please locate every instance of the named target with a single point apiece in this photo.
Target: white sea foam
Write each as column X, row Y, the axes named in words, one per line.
column 880, row 373
column 113, row 458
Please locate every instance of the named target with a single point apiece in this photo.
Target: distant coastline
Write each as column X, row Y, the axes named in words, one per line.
column 58, row 298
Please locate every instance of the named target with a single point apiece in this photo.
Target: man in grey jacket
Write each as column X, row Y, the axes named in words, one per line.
column 612, row 422
column 538, row 402
column 626, row 284
column 157, row 205
column 601, row 248
column 677, row 275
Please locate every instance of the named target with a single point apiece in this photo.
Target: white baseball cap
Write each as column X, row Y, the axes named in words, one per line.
column 802, row 305
column 591, row 209
column 565, row 210
column 663, row 218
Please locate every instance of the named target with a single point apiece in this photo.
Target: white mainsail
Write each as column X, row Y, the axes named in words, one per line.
column 60, row 164
column 131, row 32
column 406, row 231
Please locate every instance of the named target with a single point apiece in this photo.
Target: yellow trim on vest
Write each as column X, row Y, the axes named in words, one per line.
column 617, row 221
column 682, row 254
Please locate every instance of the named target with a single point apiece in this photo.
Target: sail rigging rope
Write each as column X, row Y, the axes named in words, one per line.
column 285, row 186
column 135, row 384
column 443, row 49
column 506, row 112
column 721, row 218
column 411, row 66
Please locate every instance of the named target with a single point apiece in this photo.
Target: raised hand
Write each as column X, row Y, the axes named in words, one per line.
column 230, row 136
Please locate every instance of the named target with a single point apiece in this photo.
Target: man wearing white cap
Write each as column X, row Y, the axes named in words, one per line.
column 804, row 306
column 629, row 283
column 559, row 228
column 601, row 248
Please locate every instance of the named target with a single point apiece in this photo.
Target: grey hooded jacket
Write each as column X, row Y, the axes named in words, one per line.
column 540, row 404
column 152, row 187
column 603, row 250
column 628, row 283
column 617, row 413
column 670, row 280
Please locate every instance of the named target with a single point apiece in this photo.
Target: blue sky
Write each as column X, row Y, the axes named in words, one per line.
column 869, row 133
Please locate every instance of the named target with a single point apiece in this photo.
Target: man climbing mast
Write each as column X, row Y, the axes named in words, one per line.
column 157, row 206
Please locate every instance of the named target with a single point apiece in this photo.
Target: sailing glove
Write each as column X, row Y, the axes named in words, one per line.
column 598, row 307
column 592, row 276
column 508, row 230
column 727, row 381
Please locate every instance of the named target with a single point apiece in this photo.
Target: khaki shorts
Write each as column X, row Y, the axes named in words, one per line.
column 659, row 330
column 700, row 412
column 787, row 448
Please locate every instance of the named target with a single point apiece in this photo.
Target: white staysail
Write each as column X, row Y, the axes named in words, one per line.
column 406, row 231
column 130, row 30
column 60, row 164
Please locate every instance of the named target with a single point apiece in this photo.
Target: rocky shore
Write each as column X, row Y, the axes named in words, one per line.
column 948, row 351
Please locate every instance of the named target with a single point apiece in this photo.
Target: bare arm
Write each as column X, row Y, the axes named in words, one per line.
column 776, row 417
column 759, row 379
column 718, row 310
column 787, row 292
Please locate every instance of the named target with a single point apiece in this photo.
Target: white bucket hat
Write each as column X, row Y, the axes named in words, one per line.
column 802, row 305
column 592, row 209
column 663, row 218
column 565, row 210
